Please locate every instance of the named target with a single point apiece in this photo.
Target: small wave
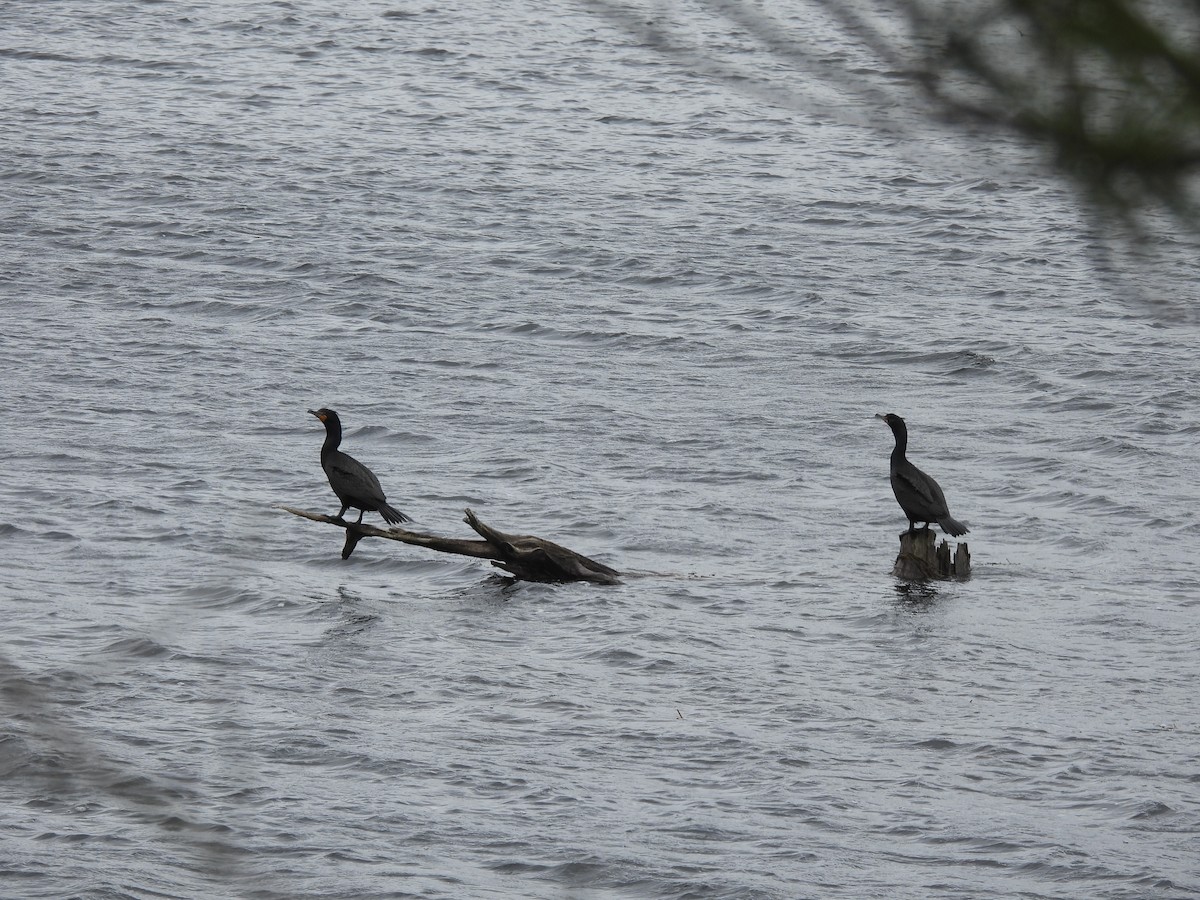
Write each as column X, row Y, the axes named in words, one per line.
column 212, row 596
column 936, row 744
column 141, row 647
column 1151, row 809
column 39, row 55
column 615, row 656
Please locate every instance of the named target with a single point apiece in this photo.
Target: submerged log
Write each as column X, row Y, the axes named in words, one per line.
column 524, row 557
column 920, row 559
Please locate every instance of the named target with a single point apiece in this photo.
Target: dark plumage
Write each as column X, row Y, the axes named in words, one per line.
column 917, row 493
column 355, row 485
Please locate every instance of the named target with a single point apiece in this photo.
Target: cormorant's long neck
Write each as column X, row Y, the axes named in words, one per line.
column 333, row 436
column 901, row 433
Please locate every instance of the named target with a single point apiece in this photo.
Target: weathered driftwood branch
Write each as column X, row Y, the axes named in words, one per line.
column 919, row 559
column 522, row 556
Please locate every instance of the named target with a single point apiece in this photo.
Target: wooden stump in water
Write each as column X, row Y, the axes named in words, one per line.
column 921, row 558
column 522, row 556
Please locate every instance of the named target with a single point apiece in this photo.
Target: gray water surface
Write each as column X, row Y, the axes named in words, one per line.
column 550, row 272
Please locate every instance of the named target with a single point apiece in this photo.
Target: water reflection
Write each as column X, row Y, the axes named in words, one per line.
column 921, row 596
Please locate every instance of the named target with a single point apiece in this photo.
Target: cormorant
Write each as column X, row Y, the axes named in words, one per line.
column 354, row 484
column 917, row 493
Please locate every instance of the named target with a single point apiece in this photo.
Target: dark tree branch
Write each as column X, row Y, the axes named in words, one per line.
column 523, row 556
column 1108, row 89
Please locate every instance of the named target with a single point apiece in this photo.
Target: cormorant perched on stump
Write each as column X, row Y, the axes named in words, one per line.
column 917, row 493
column 355, row 485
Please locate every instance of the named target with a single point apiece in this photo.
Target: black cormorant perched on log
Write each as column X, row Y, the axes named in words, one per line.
column 917, row 493
column 354, row 484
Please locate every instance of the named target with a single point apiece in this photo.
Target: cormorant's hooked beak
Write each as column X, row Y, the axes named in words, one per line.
column 317, row 414
column 877, row 415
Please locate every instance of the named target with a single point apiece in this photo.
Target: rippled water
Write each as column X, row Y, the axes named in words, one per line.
column 557, row 275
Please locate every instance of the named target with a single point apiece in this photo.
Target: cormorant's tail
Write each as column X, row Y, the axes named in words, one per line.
column 392, row 516
column 953, row 527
